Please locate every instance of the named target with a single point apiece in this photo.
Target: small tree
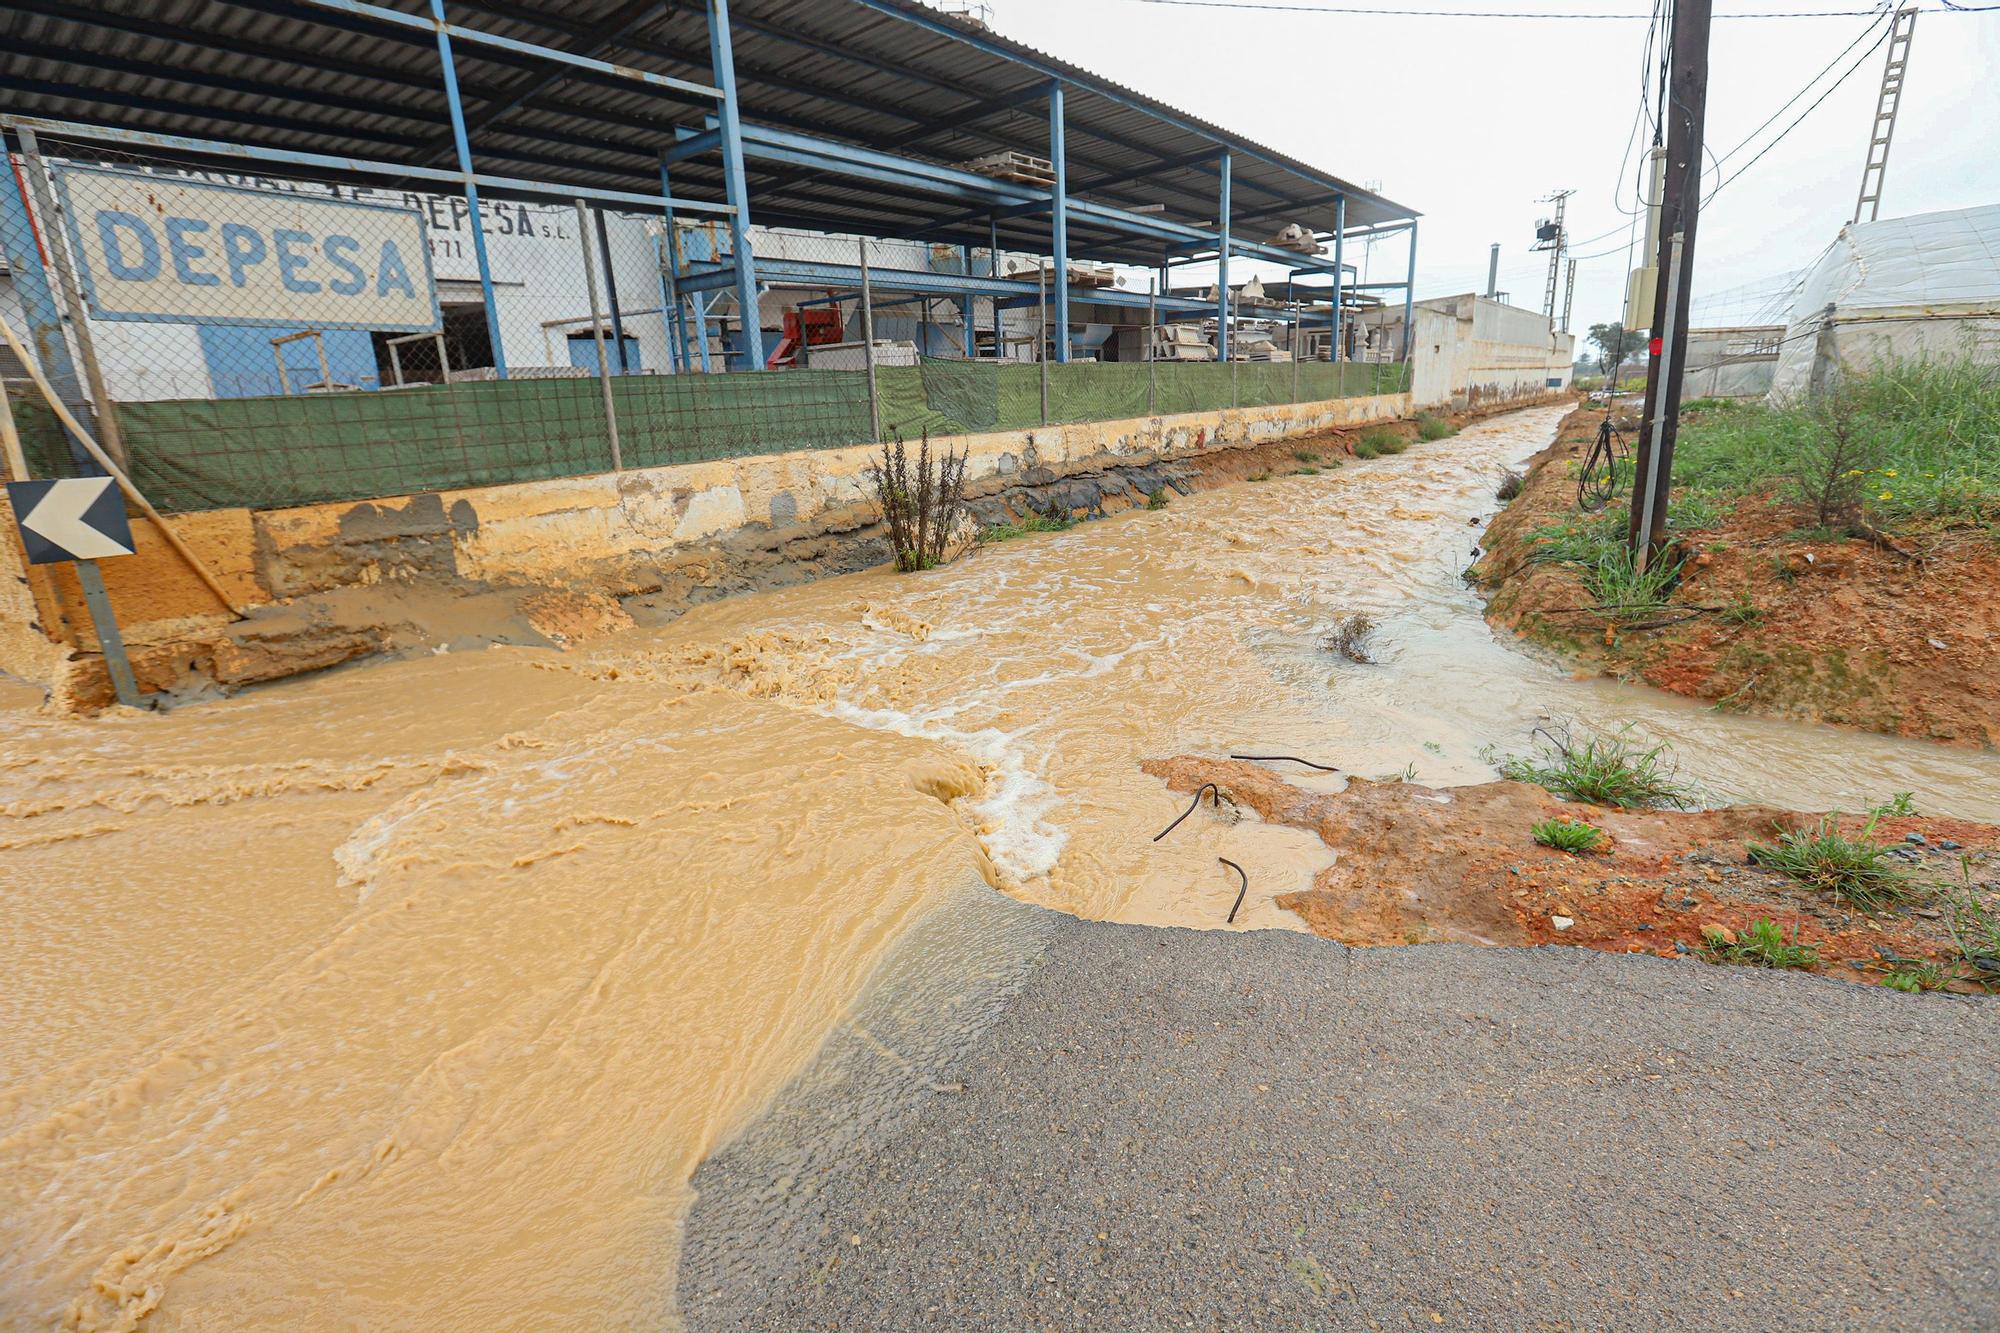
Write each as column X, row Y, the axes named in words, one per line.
column 1838, row 447
column 1612, row 341
column 920, row 505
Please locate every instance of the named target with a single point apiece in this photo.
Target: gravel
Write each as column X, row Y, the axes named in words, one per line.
column 1210, row 1130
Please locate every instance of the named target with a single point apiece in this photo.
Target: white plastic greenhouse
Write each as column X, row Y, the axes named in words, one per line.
column 1922, row 287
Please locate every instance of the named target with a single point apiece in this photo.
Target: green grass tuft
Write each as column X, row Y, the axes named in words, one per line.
column 1905, row 443
column 1306, row 455
column 1609, row 770
column 1760, row 944
column 1158, row 499
column 1856, row 870
column 1899, row 806
column 1568, row 835
column 1003, row 532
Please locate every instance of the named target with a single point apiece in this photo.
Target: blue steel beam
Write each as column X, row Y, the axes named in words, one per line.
column 1059, row 222
column 933, row 22
column 692, row 144
column 722, row 61
column 767, row 143
column 602, row 36
column 397, row 17
column 1222, row 260
column 464, row 149
column 357, row 166
column 1410, row 291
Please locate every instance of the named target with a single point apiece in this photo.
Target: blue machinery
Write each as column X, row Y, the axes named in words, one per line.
column 947, row 203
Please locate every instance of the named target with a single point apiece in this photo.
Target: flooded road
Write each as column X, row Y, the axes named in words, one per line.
column 412, row 995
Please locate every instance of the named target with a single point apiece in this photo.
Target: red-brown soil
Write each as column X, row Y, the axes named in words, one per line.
column 1419, row 864
column 1848, row 631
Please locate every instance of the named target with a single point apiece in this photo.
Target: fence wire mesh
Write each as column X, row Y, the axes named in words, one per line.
column 604, row 344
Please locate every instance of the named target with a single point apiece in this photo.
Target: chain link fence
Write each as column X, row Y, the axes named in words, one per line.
column 600, row 342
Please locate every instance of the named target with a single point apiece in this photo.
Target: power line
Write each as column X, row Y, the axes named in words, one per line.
column 1271, row 7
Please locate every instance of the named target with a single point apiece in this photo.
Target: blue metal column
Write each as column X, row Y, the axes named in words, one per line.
column 722, row 61
column 1339, row 270
column 464, row 146
column 1222, row 264
column 670, row 300
column 965, row 311
column 1410, row 290
column 1059, row 220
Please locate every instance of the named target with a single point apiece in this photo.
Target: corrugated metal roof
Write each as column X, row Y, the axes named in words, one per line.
column 280, row 74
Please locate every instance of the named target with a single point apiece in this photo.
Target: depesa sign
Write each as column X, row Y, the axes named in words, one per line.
column 158, row 249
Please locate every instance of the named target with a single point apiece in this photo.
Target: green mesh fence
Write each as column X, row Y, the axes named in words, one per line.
column 273, row 451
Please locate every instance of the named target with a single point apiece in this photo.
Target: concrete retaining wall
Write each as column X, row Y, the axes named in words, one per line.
column 609, row 535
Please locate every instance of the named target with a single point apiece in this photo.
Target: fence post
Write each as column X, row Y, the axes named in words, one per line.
column 868, row 348
column 1298, row 337
column 1152, row 332
column 597, row 333
column 54, row 236
column 1042, row 334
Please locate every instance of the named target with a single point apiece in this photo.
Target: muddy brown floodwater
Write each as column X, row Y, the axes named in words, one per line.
column 412, row 995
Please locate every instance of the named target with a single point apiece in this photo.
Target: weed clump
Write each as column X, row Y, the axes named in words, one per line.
column 1855, row 870
column 1610, row 770
column 1433, row 427
column 1510, row 487
column 1574, row 836
column 1350, row 638
column 1158, row 499
column 1759, row 944
column 921, row 504
column 1306, row 455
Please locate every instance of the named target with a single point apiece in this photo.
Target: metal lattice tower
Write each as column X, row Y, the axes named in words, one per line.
column 1901, row 29
column 1552, row 237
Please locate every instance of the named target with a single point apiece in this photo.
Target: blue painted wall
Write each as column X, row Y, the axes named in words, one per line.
column 243, row 364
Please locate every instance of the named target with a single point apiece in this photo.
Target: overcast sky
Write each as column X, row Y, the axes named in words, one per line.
column 1470, row 121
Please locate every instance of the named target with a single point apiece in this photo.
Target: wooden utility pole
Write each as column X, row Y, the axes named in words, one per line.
column 1680, row 206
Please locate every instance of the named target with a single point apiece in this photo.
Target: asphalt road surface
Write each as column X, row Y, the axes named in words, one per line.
column 1166, row 1129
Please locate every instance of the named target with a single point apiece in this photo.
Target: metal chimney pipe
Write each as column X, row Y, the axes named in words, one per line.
column 1493, row 272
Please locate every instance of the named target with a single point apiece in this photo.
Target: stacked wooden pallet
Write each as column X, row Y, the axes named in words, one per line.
column 1025, row 168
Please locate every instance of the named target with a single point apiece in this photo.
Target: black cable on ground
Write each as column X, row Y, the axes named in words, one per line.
column 1215, row 800
column 1274, row 758
column 1240, row 892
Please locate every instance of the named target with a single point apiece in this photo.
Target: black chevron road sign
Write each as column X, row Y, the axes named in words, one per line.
column 72, row 519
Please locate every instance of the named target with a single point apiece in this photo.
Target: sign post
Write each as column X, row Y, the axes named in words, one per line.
column 81, row 520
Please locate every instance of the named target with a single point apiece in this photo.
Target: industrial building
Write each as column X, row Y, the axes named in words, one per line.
column 239, row 231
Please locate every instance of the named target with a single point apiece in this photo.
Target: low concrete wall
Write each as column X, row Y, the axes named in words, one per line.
column 610, row 535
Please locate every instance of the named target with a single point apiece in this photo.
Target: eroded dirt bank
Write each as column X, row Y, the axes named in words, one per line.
column 1420, row 864
column 410, row 995
column 1769, row 618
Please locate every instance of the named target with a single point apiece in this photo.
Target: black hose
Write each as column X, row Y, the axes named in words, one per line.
column 1273, row 758
column 1240, row 892
column 1215, row 799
